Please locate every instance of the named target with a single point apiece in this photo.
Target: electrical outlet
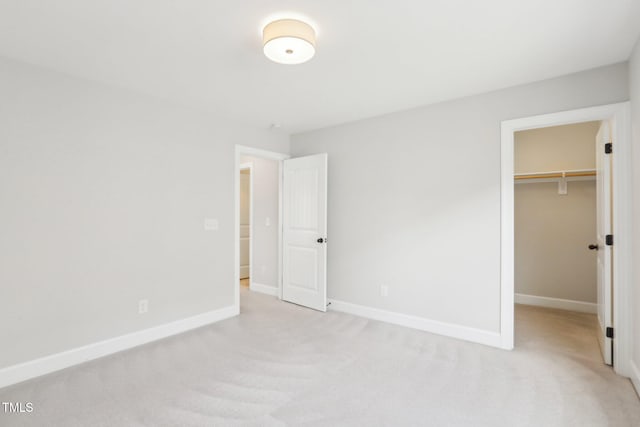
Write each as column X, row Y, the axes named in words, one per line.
column 211, row 224
column 384, row 291
column 143, row 306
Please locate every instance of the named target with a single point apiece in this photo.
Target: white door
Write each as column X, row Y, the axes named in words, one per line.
column 304, row 228
column 603, row 191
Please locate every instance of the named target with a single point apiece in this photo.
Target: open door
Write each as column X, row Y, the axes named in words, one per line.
column 304, row 228
column 604, row 243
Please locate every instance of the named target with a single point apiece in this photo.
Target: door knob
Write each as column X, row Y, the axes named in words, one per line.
column 593, row 247
column 321, row 240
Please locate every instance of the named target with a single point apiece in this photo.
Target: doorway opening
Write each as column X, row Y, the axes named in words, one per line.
column 555, row 220
column 617, row 115
column 246, row 219
column 258, row 221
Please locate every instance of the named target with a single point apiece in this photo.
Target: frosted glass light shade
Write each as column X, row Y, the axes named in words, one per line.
column 289, row 41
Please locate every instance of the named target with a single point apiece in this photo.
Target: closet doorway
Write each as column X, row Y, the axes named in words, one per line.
column 618, row 309
column 556, row 200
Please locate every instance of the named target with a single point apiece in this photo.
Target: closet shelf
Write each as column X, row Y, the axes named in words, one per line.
column 576, row 173
column 561, row 176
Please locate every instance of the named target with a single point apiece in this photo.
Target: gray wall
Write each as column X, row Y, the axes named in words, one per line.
column 634, row 77
column 103, row 194
column 552, row 231
column 414, row 198
column 264, row 264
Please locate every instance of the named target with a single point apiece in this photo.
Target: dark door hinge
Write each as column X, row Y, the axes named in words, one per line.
column 609, row 239
column 608, row 148
column 609, row 332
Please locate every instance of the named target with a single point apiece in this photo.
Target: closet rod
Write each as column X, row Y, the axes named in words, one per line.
column 556, row 174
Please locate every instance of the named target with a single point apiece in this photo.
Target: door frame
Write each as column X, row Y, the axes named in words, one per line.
column 619, row 114
column 248, row 166
column 264, row 154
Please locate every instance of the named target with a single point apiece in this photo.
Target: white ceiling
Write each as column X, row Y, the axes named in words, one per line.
column 373, row 56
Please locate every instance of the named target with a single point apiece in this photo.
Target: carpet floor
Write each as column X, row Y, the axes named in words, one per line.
column 279, row 364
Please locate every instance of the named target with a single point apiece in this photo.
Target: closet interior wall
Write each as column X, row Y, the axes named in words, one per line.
column 553, row 227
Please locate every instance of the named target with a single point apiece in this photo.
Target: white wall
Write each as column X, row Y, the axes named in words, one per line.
column 264, row 264
column 414, row 198
column 552, row 231
column 634, row 82
column 103, row 193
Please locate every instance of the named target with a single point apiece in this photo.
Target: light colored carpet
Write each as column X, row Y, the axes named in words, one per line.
column 280, row 364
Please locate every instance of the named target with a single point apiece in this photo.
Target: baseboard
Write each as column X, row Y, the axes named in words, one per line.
column 264, row 289
column 562, row 304
column 45, row 365
column 480, row 336
column 635, row 376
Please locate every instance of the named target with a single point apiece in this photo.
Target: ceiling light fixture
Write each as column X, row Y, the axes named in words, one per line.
column 289, row 41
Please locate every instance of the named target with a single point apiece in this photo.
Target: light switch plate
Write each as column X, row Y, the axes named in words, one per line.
column 143, row 306
column 267, row 222
column 210, row 224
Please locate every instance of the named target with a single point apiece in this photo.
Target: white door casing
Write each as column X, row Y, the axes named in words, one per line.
column 304, row 275
column 604, row 227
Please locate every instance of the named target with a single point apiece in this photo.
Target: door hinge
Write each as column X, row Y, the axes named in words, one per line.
column 609, row 239
column 609, row 332
column 608, row 148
